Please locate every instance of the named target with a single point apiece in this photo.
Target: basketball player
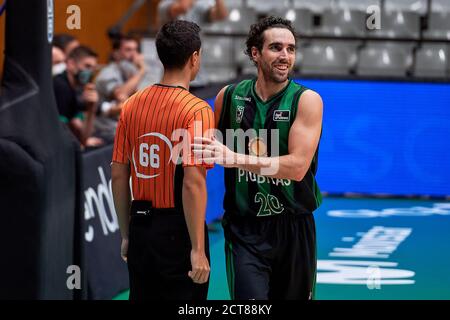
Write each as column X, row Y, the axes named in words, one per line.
column 270, row 186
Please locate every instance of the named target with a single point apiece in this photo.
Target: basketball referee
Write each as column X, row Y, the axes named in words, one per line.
column 164, row 235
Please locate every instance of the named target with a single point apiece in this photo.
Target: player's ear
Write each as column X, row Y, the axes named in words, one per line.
column 255, row 53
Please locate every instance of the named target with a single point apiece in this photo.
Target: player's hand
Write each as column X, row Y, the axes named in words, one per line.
column 200, row 267
column 213, row 151
column 124, row 250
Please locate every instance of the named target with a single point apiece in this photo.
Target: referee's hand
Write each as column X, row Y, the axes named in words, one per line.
column 200, row 267
column 124, row 250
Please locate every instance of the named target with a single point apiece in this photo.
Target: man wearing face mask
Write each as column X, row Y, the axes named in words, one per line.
column 76, row 95
column 121, row 78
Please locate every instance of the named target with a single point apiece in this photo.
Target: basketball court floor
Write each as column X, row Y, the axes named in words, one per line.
column 369, row 249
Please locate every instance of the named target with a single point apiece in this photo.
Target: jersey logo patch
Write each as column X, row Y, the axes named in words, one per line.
column 239, row 114
column 282, row 115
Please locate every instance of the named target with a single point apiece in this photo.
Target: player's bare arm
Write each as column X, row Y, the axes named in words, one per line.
column 303, row 141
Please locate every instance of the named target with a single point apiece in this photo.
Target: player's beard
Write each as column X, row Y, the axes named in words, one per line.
column 273, row 74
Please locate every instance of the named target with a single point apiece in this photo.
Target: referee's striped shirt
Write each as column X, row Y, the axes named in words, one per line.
column 152, row 130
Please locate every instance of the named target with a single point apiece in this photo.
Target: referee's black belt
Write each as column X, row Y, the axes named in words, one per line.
column 145, row 208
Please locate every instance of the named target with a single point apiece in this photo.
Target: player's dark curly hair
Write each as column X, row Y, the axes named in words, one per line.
column 176, row 41
column 255, row 37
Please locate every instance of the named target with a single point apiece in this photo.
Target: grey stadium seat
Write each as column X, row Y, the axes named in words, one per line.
column 440, row 6
column 302, row 19
column 361, row 5
column 399, row 24
column 342, row 22
column 218, row 59
column 418, row 6
column 238, row 21
column 317, row 6
column 328, row 57
column 438, row 26
column 268, row 6
column 380, row 59
column 432, row 60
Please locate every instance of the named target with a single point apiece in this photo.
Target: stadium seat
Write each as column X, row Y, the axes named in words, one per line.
column 399, row 24
column 432, row 60
column 440, row 6
column 317, row 6
column 327, row 57
column 218, row 60
column 342, row 22
column 361, row 5
column 385, row 59
column 438, row 26
column 302, row 19
column 268, row 6
column 418, row 6
column 238, row 21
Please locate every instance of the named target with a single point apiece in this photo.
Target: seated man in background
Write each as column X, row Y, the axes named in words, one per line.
column 122, row 76
column 76, row 95
column 116, row 82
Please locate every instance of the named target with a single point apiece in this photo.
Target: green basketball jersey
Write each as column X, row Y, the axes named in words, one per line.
column 254, row 127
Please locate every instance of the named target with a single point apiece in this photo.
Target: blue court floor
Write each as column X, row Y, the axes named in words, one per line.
column 369, row 249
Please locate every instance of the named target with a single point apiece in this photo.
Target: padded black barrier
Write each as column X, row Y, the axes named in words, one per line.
column 38, row 163
column 106, row 272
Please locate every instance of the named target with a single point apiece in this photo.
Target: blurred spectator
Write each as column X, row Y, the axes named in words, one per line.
column 58, row 61
column 76, row 96
column 122, row 76
column 198, row 11
column 65, row 42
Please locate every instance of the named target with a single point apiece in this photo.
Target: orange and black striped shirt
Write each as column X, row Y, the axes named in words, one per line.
column 152, row 136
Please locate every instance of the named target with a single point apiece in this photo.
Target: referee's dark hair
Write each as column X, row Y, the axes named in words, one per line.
column 255, row 36
column 81, row 52
column 176, row 41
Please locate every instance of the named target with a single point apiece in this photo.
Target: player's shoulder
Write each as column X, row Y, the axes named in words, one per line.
column 310, row 96
column 311, row 103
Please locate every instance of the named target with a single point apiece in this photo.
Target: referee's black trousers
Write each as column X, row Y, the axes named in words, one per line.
column 159, row 255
